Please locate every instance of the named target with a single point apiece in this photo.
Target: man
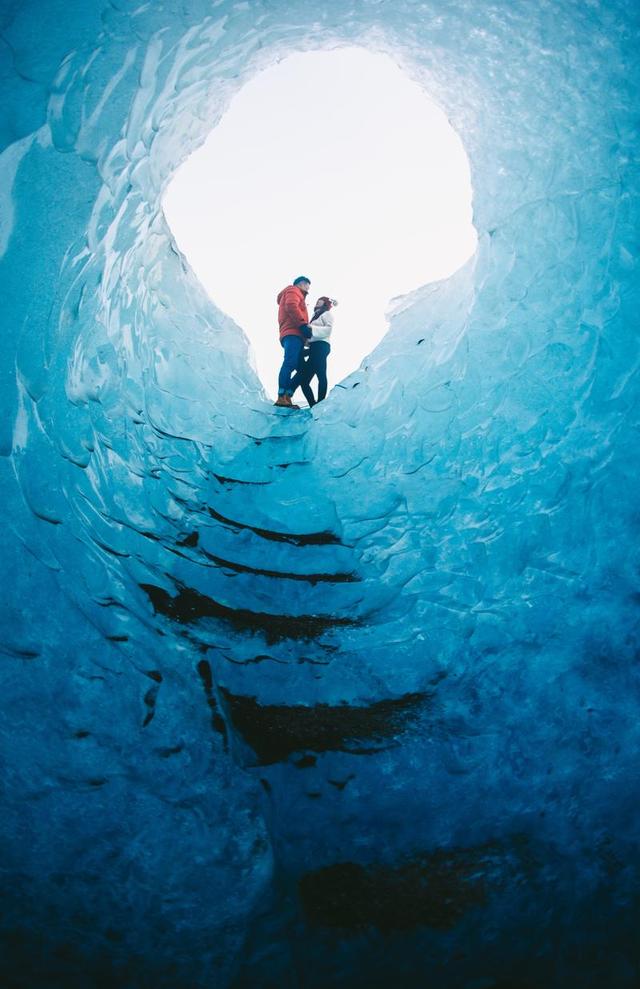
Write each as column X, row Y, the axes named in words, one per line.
column 293, row 320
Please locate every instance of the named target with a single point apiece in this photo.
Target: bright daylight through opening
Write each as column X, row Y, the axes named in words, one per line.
column 333, row 165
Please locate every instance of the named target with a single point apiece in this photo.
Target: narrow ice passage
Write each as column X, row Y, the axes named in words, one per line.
column 349, row 702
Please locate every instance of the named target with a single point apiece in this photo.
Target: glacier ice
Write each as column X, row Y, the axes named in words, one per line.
column 341, row 700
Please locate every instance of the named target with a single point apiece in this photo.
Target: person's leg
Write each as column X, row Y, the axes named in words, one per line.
column 301, row 370
column 303, row 376
column 322, row 349
column 307, row 391
column 292, row 346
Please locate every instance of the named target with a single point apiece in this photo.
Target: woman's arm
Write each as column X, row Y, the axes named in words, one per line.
column 322, row 326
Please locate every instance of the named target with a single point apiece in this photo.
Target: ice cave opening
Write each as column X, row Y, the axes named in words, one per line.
column 331, row 162
column 344, row 702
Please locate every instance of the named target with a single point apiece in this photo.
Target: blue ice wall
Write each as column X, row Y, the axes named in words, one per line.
column 348, row 700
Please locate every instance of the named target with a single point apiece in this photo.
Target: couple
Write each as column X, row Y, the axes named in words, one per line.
column 305, row 343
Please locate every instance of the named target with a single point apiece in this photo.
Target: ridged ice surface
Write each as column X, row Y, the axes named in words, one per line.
column 348, row 700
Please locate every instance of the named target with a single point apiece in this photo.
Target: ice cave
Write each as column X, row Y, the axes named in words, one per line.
column 345, row 699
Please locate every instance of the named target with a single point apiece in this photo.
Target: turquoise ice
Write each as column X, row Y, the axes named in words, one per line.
column 339, row 700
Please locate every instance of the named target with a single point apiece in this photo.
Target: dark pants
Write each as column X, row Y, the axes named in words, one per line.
column 292, row 346
column 314, row 366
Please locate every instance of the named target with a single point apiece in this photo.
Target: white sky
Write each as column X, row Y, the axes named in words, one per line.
column 332, row 165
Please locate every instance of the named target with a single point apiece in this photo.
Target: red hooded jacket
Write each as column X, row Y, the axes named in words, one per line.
column 292, row 311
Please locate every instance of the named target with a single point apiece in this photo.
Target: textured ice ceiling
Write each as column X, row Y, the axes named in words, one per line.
column 349, row 702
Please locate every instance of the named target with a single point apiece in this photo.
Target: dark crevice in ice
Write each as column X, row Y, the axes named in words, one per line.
column 276, row 731
column 311, row 578
column 206, row 676
column 191, row 541
column 150, row 703
column 190, row 606
column 433, row 889
column 235, row 480
column 296, row 539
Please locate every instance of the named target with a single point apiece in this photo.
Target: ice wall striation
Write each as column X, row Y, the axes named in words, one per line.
column 347, row 700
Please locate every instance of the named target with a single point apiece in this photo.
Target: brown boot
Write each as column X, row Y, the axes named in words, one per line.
column 284, row 402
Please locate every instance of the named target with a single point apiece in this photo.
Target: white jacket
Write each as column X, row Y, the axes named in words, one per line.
column 321, row 327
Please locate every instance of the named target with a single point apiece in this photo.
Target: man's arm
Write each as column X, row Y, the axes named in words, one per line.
column 296, row 311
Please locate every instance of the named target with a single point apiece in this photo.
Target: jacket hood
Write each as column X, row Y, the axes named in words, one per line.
column 289, row 288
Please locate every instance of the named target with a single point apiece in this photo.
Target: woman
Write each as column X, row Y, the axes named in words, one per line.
column 315, row 365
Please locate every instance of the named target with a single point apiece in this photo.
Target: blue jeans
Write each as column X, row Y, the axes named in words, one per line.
column 292, row 350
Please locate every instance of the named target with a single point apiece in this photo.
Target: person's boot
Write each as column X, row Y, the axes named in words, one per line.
column 284, row 402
